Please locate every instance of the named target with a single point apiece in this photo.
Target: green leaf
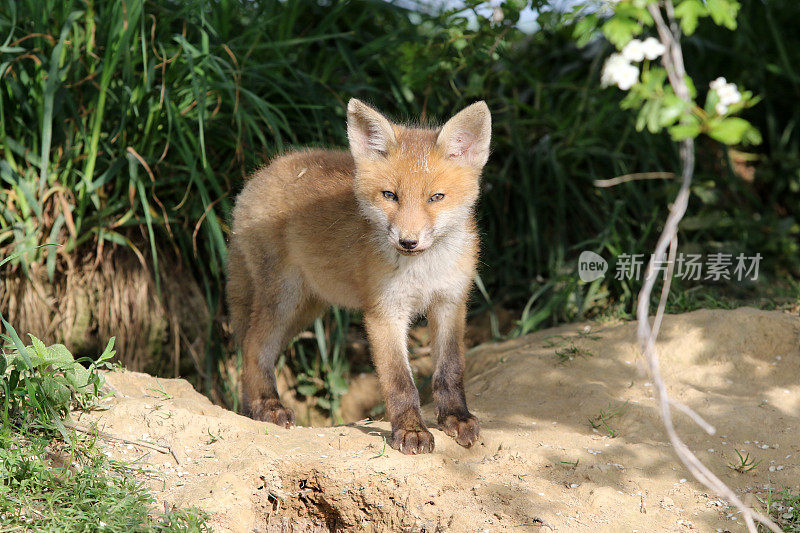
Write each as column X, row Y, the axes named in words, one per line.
column 324, row 403
column 109, row 352
column 648, row 115
column 337, row 384
column 57, row 392
column 22, row 350
column 307, row 389
column 585, row 30
column 671, row 111
column 689, row 11
column 723, row 12
column 752, row 136
column 620, row 30
column 680, row 132
column 39, row 351
column 730, row 131
column 60, row 356
column 77, row 377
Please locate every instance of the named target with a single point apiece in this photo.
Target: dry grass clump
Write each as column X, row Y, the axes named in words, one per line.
column 116, row 296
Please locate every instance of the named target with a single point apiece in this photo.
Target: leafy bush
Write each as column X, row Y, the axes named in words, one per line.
column 43, row 382
column 52, row 479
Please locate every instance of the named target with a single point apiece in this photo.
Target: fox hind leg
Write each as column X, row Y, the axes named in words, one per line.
column 274, row 321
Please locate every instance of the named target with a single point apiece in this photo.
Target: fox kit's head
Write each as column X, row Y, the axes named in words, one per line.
column 417, row 185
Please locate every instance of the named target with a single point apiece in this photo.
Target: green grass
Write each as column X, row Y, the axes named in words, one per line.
column 52, row 478
column 132, row 126
column 570, row 352
column 743, row 463
column 88, row 493
column 784, row 508
column 606, row 415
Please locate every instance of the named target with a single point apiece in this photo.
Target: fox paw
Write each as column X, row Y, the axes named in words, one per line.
column 272, row 410
column 462, row 427
column 412, row 441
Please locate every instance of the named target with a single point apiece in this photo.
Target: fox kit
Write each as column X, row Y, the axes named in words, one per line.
column 388, row 228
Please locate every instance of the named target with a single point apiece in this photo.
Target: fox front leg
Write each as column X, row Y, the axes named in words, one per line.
column 387, row 335
column 447, row 322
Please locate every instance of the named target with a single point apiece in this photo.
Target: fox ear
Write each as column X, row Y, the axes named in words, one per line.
column 465, row 137
column 369, row 133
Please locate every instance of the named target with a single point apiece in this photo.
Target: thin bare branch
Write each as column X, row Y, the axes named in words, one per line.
column 108, row 436
column 673, row 63
column 634, row 177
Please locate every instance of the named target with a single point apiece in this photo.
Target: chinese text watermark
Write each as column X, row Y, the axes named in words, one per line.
column 691, row 267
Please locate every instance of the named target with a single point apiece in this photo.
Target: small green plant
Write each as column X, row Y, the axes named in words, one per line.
column 784, row 507
column 40, row 383
column 382, row 452
column 554, row 340
column 322, row 375
column 573, row 464
column 161, row 393
column 588, row 334
column 51, row 477
column 744, row 463
column 571, row 352
column 212, row 438
column 601, row 420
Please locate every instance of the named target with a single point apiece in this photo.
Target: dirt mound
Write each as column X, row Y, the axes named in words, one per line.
column 540, row 463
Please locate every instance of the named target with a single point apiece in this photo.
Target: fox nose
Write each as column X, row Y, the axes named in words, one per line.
column 408, row 244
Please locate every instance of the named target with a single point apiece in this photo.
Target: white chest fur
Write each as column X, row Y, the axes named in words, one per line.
column 440, row 272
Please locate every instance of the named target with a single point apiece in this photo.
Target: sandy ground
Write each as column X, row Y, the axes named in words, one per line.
column 540, row 465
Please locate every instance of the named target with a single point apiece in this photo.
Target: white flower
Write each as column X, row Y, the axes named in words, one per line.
column 652, row 48
column 628, row 77
column 718, row 83
column 633, row 51
column 637, row 50
column 620, row 72
column 610, row 69
column 728, row 94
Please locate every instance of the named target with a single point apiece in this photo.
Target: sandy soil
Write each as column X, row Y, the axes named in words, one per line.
column 540, row 465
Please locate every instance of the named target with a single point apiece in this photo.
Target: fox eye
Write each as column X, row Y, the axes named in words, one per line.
column 436, row 197
column 389, row 195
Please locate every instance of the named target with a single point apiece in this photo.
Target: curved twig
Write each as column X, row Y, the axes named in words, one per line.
column 673, row 63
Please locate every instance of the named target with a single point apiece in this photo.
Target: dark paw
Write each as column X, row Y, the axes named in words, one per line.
column 462, row 427
column 412, row 441
column 272, row 410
